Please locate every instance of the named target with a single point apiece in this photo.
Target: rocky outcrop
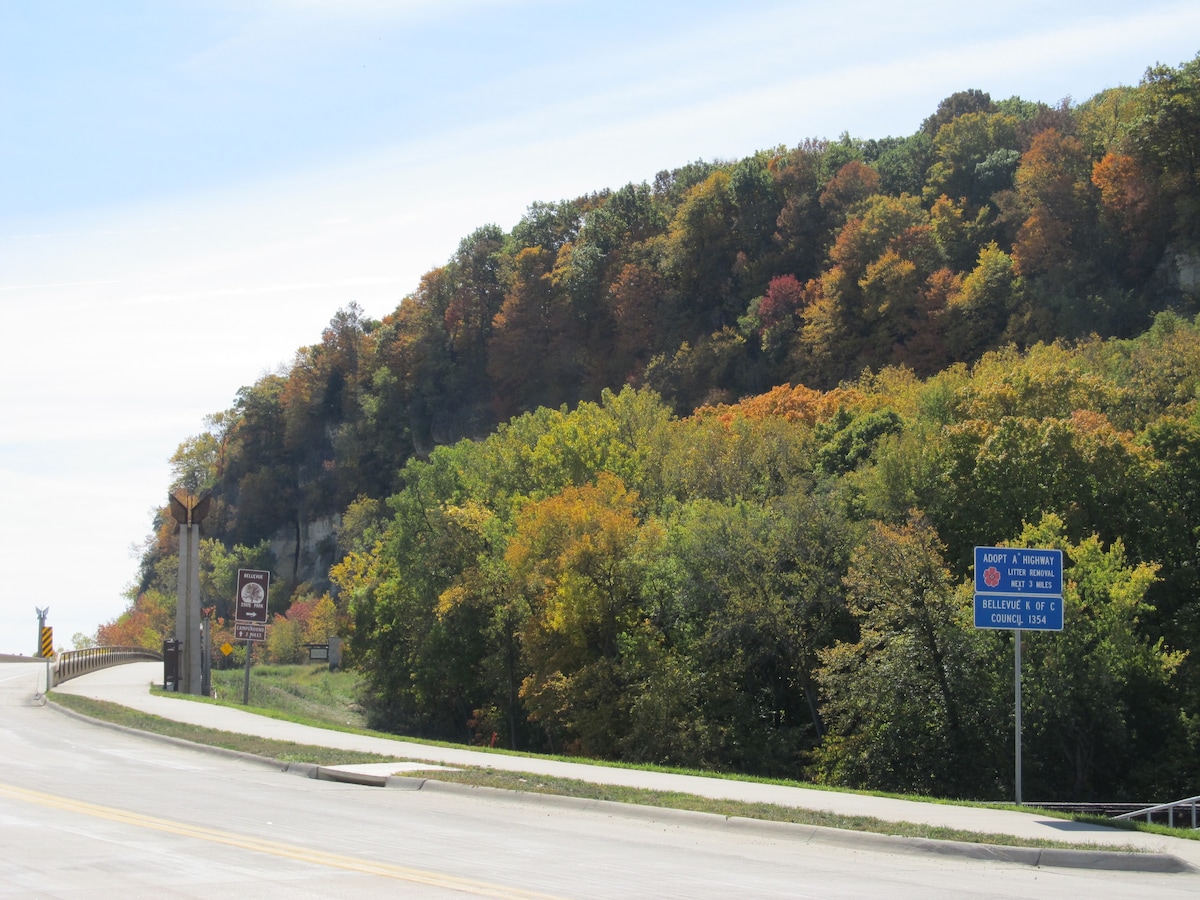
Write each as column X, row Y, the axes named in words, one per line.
column 305, row 554
column 1179, row 272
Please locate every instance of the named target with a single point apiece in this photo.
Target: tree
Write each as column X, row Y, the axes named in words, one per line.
column 989, row 299
column 147, row 622
column 800, row 226
column 908, row 703
column 729, row 454
column 957, row 104
column 322, row 621
column 574, row 557
column 701, row 252
column 624, row 219
column 846, row 441
column 285, row 637
column 995, row 477
column 779, row 304
column 1097, row 695
column 533, row 341
column 965, row 156
column 902, row 165
column 642, row 315
column 1165, row 135
column 873, row 300
column 756, row 596
column 548, row 226
column 1057, row 242
column 260, row 475
column 421, row 669
column 195, row 464
column 853, row 183
column 1132, row 213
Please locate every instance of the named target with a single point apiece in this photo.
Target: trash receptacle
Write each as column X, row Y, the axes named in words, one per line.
column 171, row 664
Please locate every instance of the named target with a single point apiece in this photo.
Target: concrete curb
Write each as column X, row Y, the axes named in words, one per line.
column 329, row 773
column 1037, row 857
column 1109, row 860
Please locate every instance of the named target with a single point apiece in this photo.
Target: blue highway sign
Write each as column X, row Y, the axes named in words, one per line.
column 1018, row 588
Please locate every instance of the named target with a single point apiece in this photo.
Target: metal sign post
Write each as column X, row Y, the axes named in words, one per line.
column 250, row 614
column 1021, row 589
column 246, row 679
column 1017, row 696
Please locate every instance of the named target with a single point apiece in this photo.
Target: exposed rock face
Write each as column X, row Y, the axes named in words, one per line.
column 309, row 557
column 1180, row 271
column 1187, row 269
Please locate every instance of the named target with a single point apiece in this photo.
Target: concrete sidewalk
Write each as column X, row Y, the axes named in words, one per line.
column 129, row 685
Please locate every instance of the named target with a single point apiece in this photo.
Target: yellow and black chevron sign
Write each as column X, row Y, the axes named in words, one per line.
column 47, row 648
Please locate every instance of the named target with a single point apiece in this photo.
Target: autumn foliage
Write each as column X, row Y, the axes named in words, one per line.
column 639, row 477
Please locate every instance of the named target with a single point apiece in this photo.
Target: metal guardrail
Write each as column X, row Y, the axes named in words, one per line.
column 1106, row 809
column 72, row 663
column 1169, row 808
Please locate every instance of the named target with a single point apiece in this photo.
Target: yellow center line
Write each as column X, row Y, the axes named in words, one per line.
column 273, row 848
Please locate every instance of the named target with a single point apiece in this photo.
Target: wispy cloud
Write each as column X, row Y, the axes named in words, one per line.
column 127, row 320
column 278, row 36
column 54, row 284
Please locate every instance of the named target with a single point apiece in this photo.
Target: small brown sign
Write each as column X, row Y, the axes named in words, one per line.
column 248, row 631
column 250, row 605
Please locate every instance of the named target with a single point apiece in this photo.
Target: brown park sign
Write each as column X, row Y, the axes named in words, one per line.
column 250, row 605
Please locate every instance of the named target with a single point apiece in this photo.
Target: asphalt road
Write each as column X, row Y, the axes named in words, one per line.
column 87, row 811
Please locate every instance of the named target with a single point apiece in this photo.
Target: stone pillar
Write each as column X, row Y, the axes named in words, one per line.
column 188, row 511
column 187, row 613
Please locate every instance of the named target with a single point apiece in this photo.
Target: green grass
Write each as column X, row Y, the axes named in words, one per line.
column 312, row 693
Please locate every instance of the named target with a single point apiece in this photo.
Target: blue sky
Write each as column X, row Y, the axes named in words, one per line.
column 189, row 190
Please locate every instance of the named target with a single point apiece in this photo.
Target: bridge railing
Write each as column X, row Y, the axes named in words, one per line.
column 72, row 663
column 1184, row 807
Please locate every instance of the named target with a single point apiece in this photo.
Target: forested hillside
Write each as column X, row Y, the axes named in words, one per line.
column 690, row 471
